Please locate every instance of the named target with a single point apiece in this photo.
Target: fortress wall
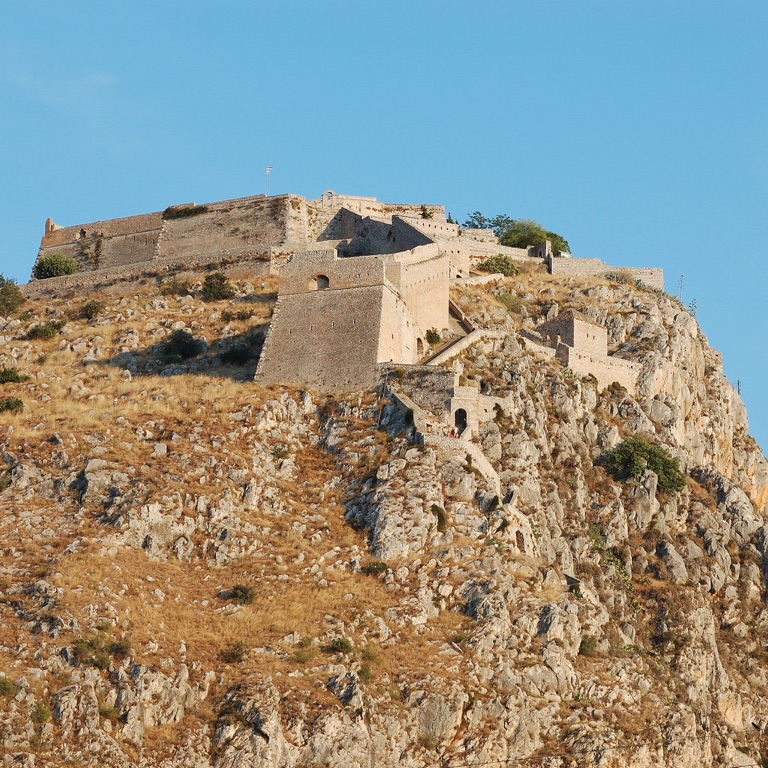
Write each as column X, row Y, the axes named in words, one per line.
column 651, row 276
column 330, row 225
column 425, row 286
column 474, row 233
column 330, row 203
column 407, row 237
column 105, row 244
column 320, row 342
column 590, row 339
column 465, row 253
column 299, row 273
column 398, row 332
column 110, row 228
column 375, row 237
column 432, row 227
column 605, row 369
column 414, row 210
column 371, row 237
column 258, row 263
column 233, row 228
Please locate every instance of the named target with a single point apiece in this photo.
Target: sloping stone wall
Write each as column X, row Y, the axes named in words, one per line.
column 326, row 340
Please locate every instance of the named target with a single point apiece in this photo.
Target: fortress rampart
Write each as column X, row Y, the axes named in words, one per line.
column 570, row 267
column 361, row 281
column 230, row 229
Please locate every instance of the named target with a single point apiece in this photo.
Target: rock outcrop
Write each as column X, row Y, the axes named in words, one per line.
column 195, row 572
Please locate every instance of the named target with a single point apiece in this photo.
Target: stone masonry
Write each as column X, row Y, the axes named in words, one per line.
column 582, row 346
column 361, row 281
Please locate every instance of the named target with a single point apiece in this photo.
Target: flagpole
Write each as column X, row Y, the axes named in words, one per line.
column 266, row 179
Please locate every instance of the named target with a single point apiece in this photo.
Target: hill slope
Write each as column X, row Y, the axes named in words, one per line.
column 198, row 572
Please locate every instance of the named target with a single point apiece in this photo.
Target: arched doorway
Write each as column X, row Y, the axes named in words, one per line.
column 460, row 419
column 319, row 283
column 419, row 347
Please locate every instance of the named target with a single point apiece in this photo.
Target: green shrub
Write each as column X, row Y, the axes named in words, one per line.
column 588, row 646
column 511, row 303
column 46, row 330
column 7, row 687
column 369, row 653
column 306, row 651
column 234, row 653
column 12, row 376
column 433, row 336
column 110, row 713
column 216, row 287
column 91, row 309
column 182, row 345
column 374, row 568
column 339, row 645
column 364, row 674
column 636, row 454
column 518, row 233
column 499, row 263
column 11, row 297
column 101, row 660
column 54, row 265
column 174, row 287
column 244, row 594
column 242, row 314
column 41, row 713
column 11, row 405
column 121, row 647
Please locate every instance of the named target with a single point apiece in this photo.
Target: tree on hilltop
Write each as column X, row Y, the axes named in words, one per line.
column 518, row 233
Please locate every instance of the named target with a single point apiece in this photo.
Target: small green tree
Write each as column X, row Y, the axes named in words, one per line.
column 11, row 297
column 518, row 233
column 433, row 336
column 54, row 265
column 636, row 454
column 11, row 404
column 182, row 345
column 217, row 287
column 91, row 309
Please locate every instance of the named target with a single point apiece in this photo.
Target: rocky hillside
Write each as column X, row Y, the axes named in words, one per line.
column 196, row 572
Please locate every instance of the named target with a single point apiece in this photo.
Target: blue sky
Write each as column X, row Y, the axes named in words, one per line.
column 636, row 129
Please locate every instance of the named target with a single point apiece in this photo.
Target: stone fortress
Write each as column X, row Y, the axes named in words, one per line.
column 362, row 283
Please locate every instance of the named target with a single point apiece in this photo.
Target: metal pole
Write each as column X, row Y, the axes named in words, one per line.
column 266, row 179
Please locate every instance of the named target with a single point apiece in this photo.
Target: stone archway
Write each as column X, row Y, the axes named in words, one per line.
column 319, row 283
column 460, row 419
column 419, row 347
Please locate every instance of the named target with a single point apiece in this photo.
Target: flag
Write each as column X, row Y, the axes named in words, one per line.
column 269, row 169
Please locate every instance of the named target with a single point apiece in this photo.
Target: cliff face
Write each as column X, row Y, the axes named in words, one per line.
column 196, row 572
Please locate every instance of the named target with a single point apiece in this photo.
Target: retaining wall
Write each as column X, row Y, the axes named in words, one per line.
column 606, row 370
column 572, row 267
column 260, row 263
